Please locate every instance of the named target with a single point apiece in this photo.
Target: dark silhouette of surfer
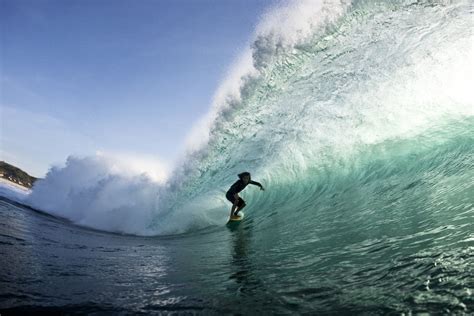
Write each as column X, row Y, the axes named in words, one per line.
column 233, row 193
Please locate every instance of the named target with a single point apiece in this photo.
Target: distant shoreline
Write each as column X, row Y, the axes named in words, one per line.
column 15, row 176
column 16, row 185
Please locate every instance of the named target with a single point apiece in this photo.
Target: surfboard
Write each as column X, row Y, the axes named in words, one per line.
column 236, row 219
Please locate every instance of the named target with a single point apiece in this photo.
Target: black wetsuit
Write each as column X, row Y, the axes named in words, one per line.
column 238, row 186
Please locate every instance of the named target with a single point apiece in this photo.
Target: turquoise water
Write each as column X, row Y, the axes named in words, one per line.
column 350, row 107
column 361, row 131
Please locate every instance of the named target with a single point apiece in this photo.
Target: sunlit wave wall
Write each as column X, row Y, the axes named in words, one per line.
column 347, row 112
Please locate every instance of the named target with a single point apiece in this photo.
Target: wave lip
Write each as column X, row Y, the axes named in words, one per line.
column 282, row 29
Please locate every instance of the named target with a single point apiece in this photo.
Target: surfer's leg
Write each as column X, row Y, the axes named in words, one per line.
column 231, row 199
column 241, row 204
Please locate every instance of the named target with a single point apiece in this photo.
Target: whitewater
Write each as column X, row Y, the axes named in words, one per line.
column 356, row 116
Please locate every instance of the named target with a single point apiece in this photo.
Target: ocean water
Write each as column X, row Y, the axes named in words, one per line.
column 357, row 117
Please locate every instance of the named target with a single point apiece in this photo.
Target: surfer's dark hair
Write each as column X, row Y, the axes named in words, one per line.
column 243, row 174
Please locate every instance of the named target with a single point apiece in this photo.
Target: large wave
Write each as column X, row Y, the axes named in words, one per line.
column 324, row 84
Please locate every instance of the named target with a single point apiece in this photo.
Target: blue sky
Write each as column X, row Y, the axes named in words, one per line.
column 115, row 76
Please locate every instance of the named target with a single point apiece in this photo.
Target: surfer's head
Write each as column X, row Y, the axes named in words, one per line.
column 245, row 176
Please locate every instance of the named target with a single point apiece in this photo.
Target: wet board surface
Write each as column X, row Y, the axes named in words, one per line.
column 236, row 219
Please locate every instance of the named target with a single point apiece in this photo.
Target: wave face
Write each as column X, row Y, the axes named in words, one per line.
column 354, row 115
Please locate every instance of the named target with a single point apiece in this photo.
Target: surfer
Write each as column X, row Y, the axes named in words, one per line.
column 233, row 193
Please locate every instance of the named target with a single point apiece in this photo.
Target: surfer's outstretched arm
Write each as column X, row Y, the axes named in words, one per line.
column 257, row 184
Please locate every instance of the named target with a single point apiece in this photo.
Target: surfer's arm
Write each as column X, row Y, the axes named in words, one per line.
column 257, row 184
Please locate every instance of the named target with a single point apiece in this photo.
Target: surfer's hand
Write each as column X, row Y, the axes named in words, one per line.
column 262, row 189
